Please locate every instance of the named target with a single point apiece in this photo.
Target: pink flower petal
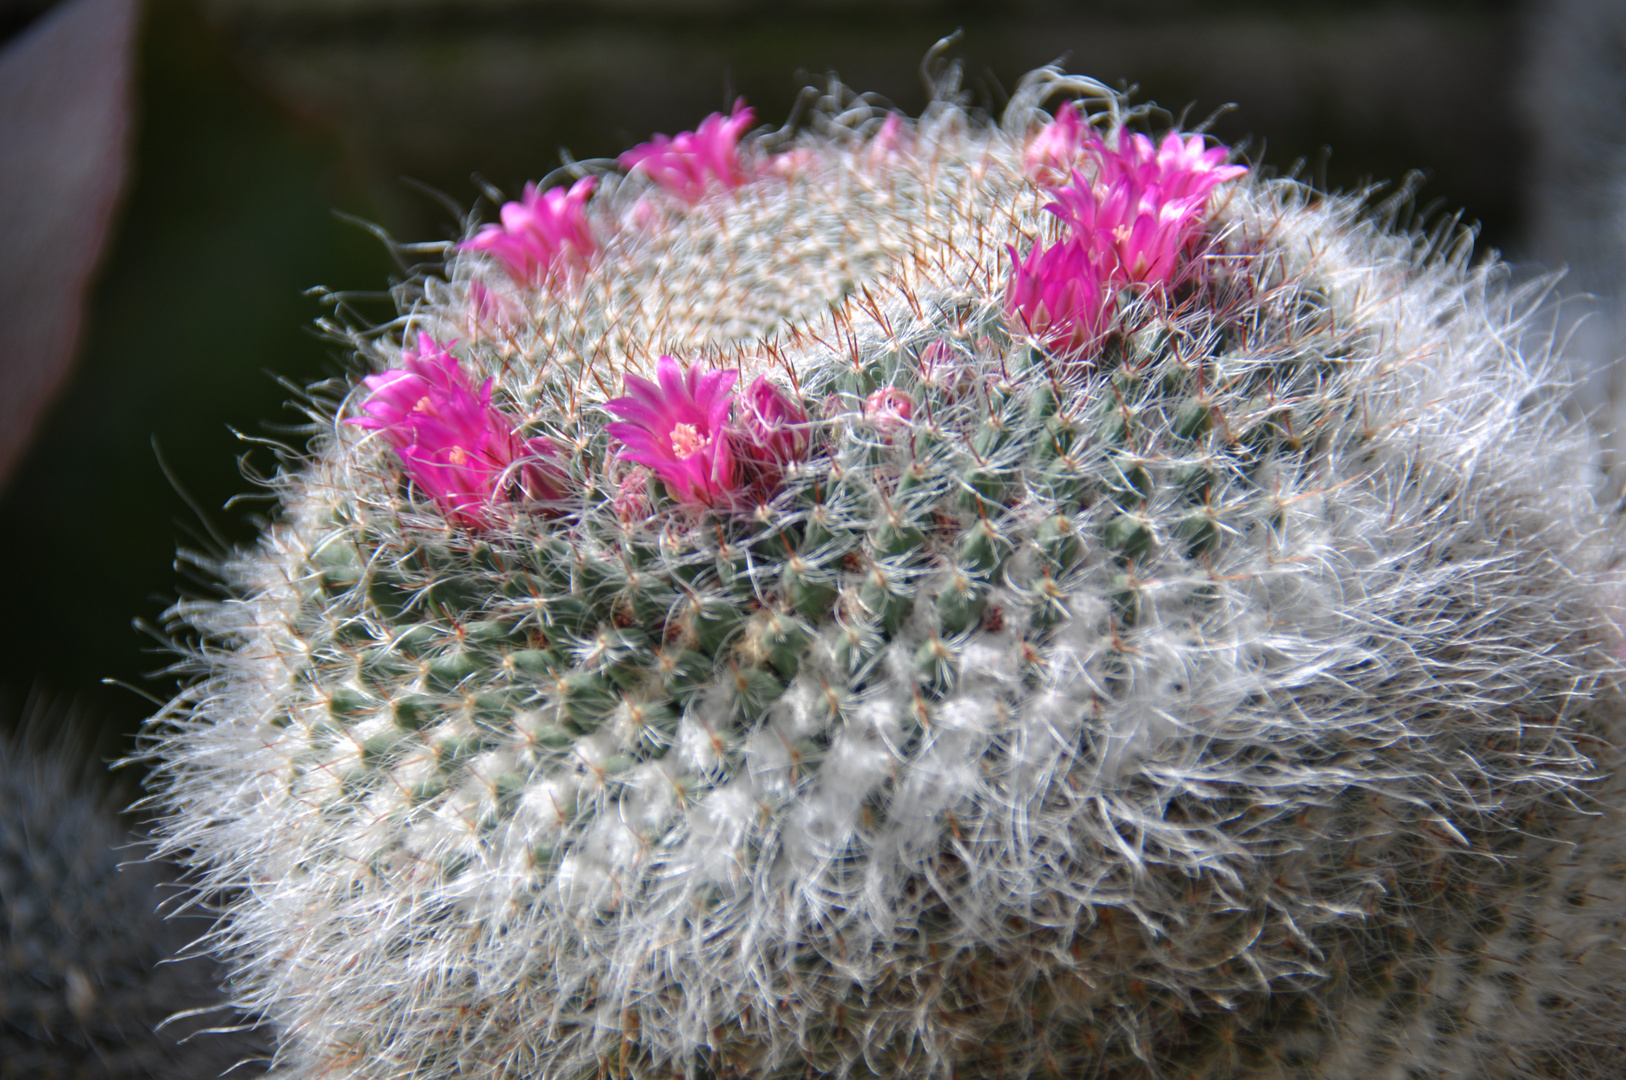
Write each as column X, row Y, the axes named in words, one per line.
column 1060, row 296
column 454, row 444
column 678, row 427
column 688, row 164
column 1054, row 152
column 543, row 235
column 773, row 427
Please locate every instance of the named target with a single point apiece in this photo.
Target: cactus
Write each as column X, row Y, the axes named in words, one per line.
column 1139, row 619
column 90, row 972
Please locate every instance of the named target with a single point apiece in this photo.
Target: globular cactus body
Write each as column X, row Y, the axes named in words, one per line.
column 1175, row 651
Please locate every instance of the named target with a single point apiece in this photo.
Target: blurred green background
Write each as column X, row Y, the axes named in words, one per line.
column 257, row 120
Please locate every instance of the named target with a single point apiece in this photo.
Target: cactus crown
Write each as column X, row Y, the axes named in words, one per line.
column 1087, row 646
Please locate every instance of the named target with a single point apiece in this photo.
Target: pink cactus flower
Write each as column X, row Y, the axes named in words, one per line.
column 453, row 442
column 688, row 164
column 1135, row 232
column 1054, row 152
column 544, row 234
column 889, row 410
column 1137, row 204
column 1179, row 170
column 1143, row 204
column 1060, row 295
column 678, row 427
column 773, row 428
column 1132, row 216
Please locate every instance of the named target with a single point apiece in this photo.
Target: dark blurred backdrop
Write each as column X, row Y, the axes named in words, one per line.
column 258, row 123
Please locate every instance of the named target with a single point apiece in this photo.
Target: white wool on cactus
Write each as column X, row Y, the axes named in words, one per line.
column 924, row 598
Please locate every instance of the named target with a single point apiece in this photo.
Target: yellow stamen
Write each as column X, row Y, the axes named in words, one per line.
column 686, row 441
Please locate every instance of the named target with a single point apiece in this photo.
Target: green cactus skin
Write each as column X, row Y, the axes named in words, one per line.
column 1225, row 707
column 90, row 971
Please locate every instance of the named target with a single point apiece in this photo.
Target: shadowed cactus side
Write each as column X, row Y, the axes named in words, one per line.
column 1140, row 620
column 89, row 973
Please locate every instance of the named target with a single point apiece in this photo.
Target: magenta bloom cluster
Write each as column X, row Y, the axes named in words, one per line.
column 688, row 164
column 452, row 441
column 1130, row 212
column 683, row 427
column 1143, row 205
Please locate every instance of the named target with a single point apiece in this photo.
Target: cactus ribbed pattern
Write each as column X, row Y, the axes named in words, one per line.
column 1223, row 693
